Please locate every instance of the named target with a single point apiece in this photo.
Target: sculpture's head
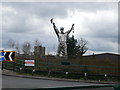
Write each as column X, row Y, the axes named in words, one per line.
column 62, row 29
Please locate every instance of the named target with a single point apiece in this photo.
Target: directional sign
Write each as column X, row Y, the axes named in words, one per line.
column 9, row 55
column 1, row 56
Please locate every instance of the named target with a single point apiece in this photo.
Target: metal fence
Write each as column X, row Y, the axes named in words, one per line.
column 74, row 71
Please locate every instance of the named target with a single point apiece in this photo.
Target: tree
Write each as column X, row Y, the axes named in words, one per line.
column 71, row 46
column 17, row 47
column 75, row 48
column 26, row 47
column 37, row 42
column 82, row 45
column 11, row 43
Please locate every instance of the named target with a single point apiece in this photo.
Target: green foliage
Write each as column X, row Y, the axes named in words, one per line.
column 71, row 46
column 75, row 48
column 81, row 78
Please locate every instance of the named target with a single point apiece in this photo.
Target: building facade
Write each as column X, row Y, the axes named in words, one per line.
column 39, row 51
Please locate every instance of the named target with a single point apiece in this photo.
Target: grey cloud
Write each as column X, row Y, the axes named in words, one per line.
column 57, row 9
column 40, row 9
column 24, row 30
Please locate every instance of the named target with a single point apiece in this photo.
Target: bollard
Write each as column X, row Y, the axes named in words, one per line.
column 105, row 76
column 66, row 74
column 33, row 72
column 85, row 75
column 20, row 69
column 48, row 73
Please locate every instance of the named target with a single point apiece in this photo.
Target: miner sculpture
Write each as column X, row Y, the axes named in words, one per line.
column 62, row 37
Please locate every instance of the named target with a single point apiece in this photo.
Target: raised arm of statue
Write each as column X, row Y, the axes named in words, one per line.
column 70, row 29
column 55, row 28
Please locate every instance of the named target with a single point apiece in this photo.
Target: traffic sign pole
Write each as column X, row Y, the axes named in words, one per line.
column 1, row 65
column 3, row 59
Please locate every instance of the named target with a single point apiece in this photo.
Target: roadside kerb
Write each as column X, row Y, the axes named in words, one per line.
column 14, row 74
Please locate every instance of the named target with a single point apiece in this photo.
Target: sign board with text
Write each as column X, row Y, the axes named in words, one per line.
column 29, row 62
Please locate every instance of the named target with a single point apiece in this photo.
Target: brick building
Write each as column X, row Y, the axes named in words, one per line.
column 39, row 51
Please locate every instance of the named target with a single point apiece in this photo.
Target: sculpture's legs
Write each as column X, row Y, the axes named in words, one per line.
column 62, row 49
column 65, row 49
column 59, row 50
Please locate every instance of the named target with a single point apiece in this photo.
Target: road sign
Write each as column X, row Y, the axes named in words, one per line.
column 1, row 56
column 9, row 55
column 29, row 62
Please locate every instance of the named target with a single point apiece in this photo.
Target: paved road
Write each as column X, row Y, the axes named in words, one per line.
column 19, row 82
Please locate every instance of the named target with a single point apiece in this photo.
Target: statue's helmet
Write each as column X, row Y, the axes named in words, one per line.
column 61, row 28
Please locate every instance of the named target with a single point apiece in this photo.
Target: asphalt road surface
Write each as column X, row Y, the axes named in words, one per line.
column 19, row 82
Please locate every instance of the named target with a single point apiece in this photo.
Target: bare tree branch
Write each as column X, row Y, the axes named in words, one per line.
column 82, row 43
column 37, row 42
column 17, row 47
column 26, row 47
column 11, row 43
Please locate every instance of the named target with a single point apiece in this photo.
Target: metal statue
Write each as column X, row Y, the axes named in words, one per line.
column 62, row 37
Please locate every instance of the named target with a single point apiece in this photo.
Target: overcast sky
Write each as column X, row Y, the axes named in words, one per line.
column 97, row 22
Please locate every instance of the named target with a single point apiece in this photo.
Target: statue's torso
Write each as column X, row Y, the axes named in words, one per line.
column 62, row 37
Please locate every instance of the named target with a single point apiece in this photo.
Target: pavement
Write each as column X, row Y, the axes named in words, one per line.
column 15, row 74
